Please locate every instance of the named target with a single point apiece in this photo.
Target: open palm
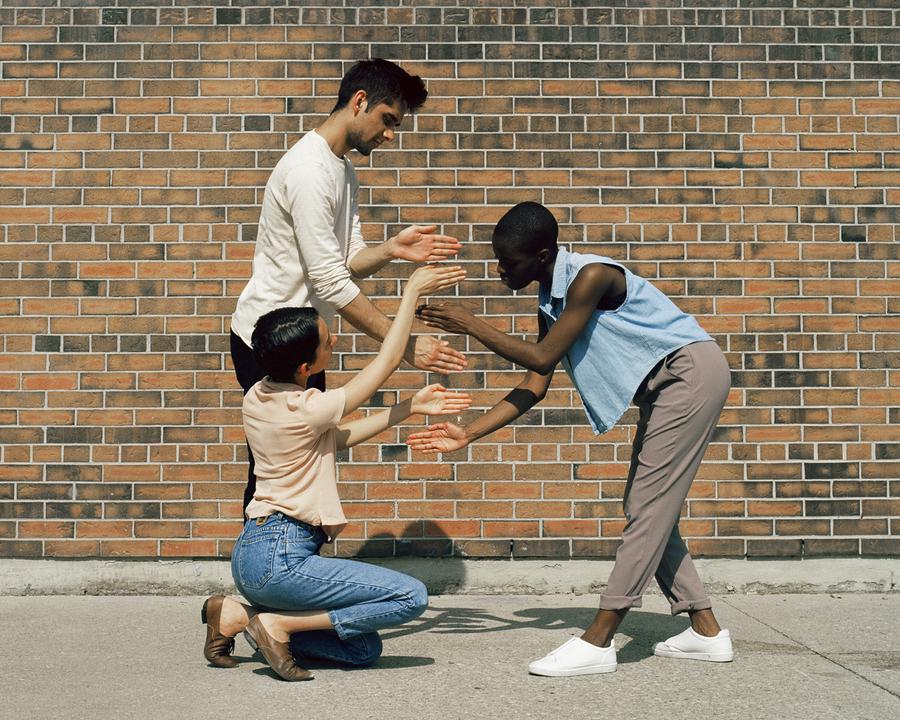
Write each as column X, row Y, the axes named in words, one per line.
column 421, row 243
column 440, row 437
column 438, row 400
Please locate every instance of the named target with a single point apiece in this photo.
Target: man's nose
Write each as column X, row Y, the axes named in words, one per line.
column 388, row 134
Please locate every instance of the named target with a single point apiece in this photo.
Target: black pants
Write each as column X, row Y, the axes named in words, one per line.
column 248, row 374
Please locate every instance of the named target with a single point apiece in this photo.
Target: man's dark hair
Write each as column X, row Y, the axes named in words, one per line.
column 284, row 339
column 527, row 228
column 383, row 81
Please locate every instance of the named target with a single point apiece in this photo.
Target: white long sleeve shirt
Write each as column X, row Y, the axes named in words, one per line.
column 308, row 232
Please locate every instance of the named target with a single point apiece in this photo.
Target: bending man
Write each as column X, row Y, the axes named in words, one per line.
column 618, row 338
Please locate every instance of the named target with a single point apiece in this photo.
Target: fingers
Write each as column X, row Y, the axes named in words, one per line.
column 443, row 357
column 449, row 405
column 435, row 312
column 449, row 355
column 444, row 366
column 442, row 277
column 445, row 271
column 452, row 395
column 438, row 254
column 448, row 279
column 446, row 409
column 429, row 309
column 430, row 231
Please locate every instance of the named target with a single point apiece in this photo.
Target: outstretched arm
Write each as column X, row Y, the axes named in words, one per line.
column 426, row 280
column 430, row 400
column 447, row 437
column 417, row 243
column 593, row 283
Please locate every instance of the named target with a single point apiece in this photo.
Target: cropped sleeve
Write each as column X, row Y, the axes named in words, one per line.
column 323, row 410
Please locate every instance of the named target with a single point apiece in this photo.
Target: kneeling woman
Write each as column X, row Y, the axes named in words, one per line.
column 304, row 605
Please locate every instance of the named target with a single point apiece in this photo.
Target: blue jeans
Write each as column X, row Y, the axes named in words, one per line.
column 276, row 565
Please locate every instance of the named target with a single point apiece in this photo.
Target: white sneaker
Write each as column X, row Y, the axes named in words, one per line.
column 576, row 657
column 689, row 645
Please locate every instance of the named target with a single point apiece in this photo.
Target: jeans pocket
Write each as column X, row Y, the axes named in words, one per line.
column 300, row 542
column 256, row 557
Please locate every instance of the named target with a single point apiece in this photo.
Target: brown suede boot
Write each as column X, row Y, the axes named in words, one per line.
column 277, row 654
column 218, row 646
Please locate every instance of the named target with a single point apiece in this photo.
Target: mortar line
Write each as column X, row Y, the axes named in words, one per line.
column 812, row 650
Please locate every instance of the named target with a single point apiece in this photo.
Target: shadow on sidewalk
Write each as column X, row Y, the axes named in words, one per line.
column 641, row 629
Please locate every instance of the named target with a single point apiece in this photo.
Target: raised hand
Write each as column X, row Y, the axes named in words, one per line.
column 434, row 278
column 437, row 400
column 434, row 355
column 420, row 243
column 449, row 317
column 441, row 437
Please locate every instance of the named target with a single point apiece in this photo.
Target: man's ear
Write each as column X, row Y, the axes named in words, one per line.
column 543, row 256
column 359, row 102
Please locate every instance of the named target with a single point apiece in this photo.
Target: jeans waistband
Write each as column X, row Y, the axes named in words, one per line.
column 281, row 517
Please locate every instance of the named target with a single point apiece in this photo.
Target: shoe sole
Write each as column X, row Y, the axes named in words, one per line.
column 706, row 657
column 589, row 670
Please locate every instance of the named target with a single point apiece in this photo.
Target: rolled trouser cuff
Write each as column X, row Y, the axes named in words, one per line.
column 619, row 602
column 688, row 605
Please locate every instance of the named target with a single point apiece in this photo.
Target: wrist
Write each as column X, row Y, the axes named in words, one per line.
column 390, row 248
column 477, row 328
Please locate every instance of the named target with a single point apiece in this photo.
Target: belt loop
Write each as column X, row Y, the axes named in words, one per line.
column 262, row 519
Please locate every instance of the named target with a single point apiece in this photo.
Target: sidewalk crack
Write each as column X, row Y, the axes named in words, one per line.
column 810, row 649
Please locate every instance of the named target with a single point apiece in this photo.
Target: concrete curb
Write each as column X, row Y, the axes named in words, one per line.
column 450, row 576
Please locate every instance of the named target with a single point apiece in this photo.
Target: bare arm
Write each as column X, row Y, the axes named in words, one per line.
column 363, row 315
column 416, row 243
column 534, row 387
column 357, row 431
column 592, row 284
column 447, row 437
column 425, row 280
column 370, row 261
column 430, row 400
column 425, row 352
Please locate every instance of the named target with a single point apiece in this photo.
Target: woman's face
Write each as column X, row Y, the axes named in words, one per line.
column 324, row 350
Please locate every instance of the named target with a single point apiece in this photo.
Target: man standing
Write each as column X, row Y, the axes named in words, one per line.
column 309, row 245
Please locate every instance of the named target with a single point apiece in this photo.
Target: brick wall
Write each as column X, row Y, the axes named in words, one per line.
column 744, row 157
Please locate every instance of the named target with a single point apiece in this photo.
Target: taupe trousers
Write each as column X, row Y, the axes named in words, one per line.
column 680, row 401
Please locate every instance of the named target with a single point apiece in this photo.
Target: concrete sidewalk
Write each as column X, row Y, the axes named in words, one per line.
column 798, row 656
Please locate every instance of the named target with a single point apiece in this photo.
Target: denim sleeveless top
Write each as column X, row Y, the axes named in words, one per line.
column 617, row 348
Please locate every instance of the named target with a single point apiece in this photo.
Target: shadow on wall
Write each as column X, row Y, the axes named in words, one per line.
column 419, row 539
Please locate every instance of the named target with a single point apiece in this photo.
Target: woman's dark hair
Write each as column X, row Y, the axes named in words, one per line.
column 527, row 228
column 284, row 339
column 383, row 81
